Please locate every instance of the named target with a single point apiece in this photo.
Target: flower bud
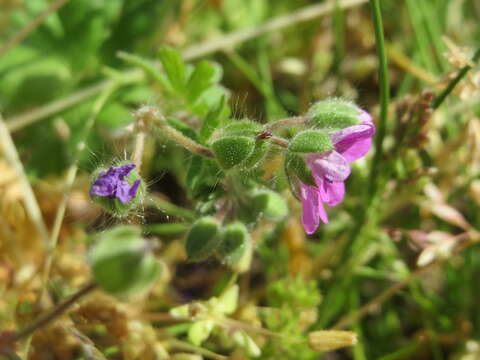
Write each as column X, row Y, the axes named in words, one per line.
column 203, row 239
column 269, row 205
column 246, row 153
column 328, row 340
column 335, row 114
column 121, row 262
column 233, row 243
column 310, row 142
column 117, row 189
column 241, row 128
column 231, row 151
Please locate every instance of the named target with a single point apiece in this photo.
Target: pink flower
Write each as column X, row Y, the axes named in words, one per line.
column 330, row 169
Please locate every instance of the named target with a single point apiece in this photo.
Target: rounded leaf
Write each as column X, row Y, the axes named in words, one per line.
column 311, row 142
column 203, row 238
column 232, row 150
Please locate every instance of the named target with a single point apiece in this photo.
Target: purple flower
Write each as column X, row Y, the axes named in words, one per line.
column 330, row 169
column 110, row 184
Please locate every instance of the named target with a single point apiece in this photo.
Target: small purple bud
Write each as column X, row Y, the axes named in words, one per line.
column 111, row 184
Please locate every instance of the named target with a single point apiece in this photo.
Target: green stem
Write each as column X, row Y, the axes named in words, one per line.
column 171, row 209
column 153, row 116
column 443, row 95
column 384, row 94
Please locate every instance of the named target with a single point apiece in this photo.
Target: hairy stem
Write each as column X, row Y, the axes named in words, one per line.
column 277, row 140
column 141, row 133
column 171, row 209
column 153, row 116
column 384, row 94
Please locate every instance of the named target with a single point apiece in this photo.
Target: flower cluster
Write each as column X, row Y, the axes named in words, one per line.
column 331, row 168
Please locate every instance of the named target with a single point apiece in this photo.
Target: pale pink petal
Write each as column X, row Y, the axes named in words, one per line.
column 313, row 209
column 365, row 117
column 329, row 165
column 331, row 193
column 355, row 141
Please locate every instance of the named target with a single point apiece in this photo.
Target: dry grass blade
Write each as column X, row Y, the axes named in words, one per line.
column 31, row 204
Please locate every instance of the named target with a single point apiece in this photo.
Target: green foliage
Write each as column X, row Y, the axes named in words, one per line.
column 202, row 176
column 269, row 205
column 120, row 261
column 174, row 68
column 203, row 239
column 234, row 208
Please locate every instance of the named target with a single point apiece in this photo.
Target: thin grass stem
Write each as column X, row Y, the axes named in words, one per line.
column 384, row 95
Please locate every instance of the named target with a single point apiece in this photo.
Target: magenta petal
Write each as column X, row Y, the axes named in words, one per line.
column 356, row 150
column 313, row 209
column 331, row 193
column 329, row 165
column 355, row 141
